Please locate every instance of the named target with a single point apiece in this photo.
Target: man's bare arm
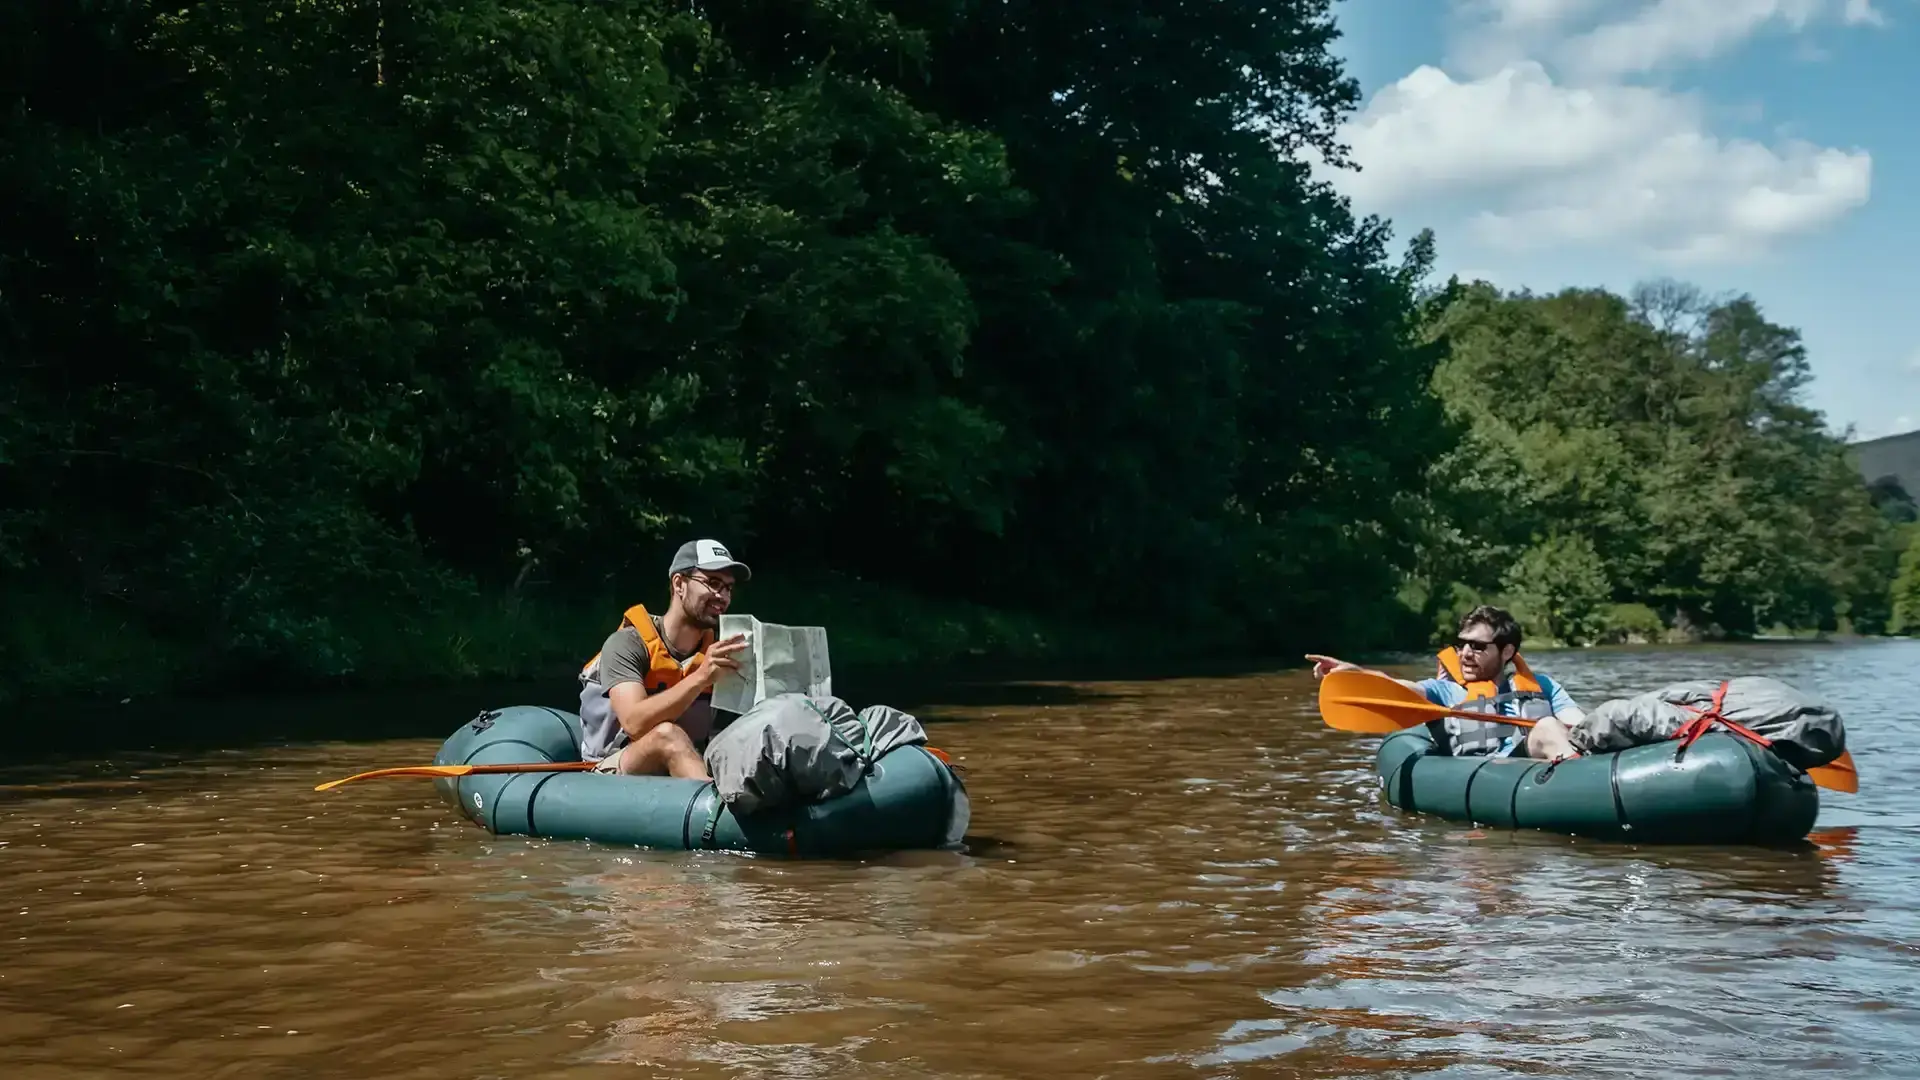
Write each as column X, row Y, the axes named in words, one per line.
column 640, row 712
column 1327, row 665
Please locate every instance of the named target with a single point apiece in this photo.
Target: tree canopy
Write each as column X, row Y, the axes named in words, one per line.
column 1651, row 450
column 311, row 301
column 316, row 310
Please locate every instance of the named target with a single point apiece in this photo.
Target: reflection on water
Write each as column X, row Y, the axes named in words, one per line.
column 1173, row 878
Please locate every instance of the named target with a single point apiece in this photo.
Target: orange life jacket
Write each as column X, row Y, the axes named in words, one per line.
column 1523, row 680
column 1465, row 737
column 663, row 671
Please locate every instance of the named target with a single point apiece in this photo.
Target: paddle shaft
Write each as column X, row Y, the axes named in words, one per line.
column 1433, row 712
column 515, row 767
column 461, row 770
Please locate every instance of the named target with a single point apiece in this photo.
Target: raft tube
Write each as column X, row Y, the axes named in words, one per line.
column 1721, row 790
column 909, row 799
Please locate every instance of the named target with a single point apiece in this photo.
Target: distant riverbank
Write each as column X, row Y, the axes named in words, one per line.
column 70, row 653
column 65, row 660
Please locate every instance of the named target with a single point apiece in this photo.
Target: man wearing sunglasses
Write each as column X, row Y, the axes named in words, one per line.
column 1472, row 674
column 646, row 698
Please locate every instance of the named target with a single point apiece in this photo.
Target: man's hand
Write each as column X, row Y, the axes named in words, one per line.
column 1324, row 666
column 717, row 659
column 640, row 712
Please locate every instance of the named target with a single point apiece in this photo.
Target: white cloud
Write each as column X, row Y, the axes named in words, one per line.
column 1595, row 159
column 1863, row 13
column 1428, row 133
column 1530, row 14
column 1913, row 362
column 1631, row 37
column 1676, row 31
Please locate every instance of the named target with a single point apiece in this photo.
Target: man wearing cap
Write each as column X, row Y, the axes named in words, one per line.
column 646, row 698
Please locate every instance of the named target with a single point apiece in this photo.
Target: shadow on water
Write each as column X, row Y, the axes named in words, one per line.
column 54, row 732
column 51, row 731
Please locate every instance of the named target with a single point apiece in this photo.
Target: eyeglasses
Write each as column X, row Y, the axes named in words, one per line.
column 1468, row 644
column 715, row 586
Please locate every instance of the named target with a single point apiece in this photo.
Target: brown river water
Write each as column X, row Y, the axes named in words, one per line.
column 1172, row 878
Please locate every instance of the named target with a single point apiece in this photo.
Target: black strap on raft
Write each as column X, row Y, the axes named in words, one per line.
column 1546, row 774
column 713, row 818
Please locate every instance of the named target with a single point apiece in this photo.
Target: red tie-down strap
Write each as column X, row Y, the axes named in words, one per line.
column 1704, row 719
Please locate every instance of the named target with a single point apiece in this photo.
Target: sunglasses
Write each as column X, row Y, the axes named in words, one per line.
column 1466, row 644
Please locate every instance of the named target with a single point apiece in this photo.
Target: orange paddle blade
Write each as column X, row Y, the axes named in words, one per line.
column 1840, row 774
column 1375, row 705
column 461, row 770
column 1367, row 716
column 946, row 759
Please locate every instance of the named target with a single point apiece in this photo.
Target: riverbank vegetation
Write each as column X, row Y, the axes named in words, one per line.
column 366, row 340
column 1644, row 467
column 1905, row 606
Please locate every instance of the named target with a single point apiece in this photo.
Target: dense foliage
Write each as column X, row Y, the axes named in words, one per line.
column 1632, row 464
column 313, row 307
column 322, row 318
column 1905, row 618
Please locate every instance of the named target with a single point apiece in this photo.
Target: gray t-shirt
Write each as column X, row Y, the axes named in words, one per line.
column 623, row 658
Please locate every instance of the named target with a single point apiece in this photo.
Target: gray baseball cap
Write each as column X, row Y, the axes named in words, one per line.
column 708, row 555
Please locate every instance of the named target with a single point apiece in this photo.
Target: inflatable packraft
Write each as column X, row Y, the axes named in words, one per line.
column 901, row 796
column 1721, row 789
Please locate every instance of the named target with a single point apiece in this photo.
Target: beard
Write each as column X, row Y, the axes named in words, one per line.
column 704, row 616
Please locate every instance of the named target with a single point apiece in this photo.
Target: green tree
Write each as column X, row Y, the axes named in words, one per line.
column 1892, row 500
column 1666, row 431
column 1906, row 589
column 327, row 313
column 1559, row 588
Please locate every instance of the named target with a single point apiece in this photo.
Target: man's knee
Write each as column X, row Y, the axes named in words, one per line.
column 667, row 738
column 653, row 754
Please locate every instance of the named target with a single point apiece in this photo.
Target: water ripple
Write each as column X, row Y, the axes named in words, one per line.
column 1167, row 879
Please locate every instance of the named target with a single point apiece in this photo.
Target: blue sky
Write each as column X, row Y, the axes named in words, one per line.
column 1770, row 147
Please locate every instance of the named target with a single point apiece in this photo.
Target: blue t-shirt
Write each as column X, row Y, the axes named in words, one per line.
column 1450, row 694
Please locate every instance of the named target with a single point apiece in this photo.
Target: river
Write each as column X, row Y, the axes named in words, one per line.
column 1169, row 878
